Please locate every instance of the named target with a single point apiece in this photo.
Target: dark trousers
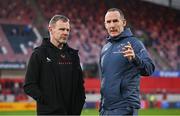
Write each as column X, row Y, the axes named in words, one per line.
column 57, row 112
column 120, row 112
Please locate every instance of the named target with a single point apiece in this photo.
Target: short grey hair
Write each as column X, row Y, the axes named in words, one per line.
column 56, row 18
column 116, row 9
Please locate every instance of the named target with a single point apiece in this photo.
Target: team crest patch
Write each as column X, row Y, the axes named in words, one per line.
column 64, row 60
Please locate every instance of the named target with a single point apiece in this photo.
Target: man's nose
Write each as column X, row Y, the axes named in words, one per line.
column 66, row 31
column 111, row 24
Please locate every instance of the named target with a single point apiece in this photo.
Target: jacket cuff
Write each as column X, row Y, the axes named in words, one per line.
column 40, row 100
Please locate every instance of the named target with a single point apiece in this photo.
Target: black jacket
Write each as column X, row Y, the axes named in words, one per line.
column 51, row 79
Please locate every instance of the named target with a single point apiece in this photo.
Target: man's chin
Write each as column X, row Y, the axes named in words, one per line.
column 114, row 34
column 62, row 42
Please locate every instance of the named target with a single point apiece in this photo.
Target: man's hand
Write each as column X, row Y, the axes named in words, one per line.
column 128, row 52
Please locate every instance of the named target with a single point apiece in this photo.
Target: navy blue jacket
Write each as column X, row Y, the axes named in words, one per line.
column 120, row 78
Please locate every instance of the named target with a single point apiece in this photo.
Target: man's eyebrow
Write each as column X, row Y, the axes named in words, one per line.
column 62, row 28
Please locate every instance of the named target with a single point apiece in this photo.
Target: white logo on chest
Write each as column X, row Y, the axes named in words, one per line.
column 48, row 59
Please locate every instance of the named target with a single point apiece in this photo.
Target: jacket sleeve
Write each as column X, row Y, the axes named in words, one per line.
column 81, row 90
column 32, row 78
column 142, row 59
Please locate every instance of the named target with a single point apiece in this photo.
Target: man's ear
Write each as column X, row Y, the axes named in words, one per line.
column 105, row 25
column 50, row 28
column 124, row 22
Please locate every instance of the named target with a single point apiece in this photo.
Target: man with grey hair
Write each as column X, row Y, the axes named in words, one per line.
column 54, row 76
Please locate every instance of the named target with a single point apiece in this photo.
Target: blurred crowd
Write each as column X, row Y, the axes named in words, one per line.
column 16, row 10
column 158, row 30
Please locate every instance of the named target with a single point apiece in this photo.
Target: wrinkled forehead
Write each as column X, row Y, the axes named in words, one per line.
column 62, row 24
column 112, row 15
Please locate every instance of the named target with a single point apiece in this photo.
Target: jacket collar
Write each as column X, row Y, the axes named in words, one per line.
column 126, row 33
column 46, row 43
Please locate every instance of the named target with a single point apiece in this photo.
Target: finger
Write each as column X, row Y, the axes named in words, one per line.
column 127, row 51
column 129, row 55
column 129, row 43
column 128, row 47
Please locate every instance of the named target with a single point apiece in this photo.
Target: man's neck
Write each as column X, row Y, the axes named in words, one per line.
column 60, row 46
column 57, row 44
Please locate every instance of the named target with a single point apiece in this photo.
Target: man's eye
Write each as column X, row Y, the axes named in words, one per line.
column 67, row 30
column 62, row 29
column 108, row 21
column 115, row 20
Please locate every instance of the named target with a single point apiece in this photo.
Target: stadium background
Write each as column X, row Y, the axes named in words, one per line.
column 23, row 24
